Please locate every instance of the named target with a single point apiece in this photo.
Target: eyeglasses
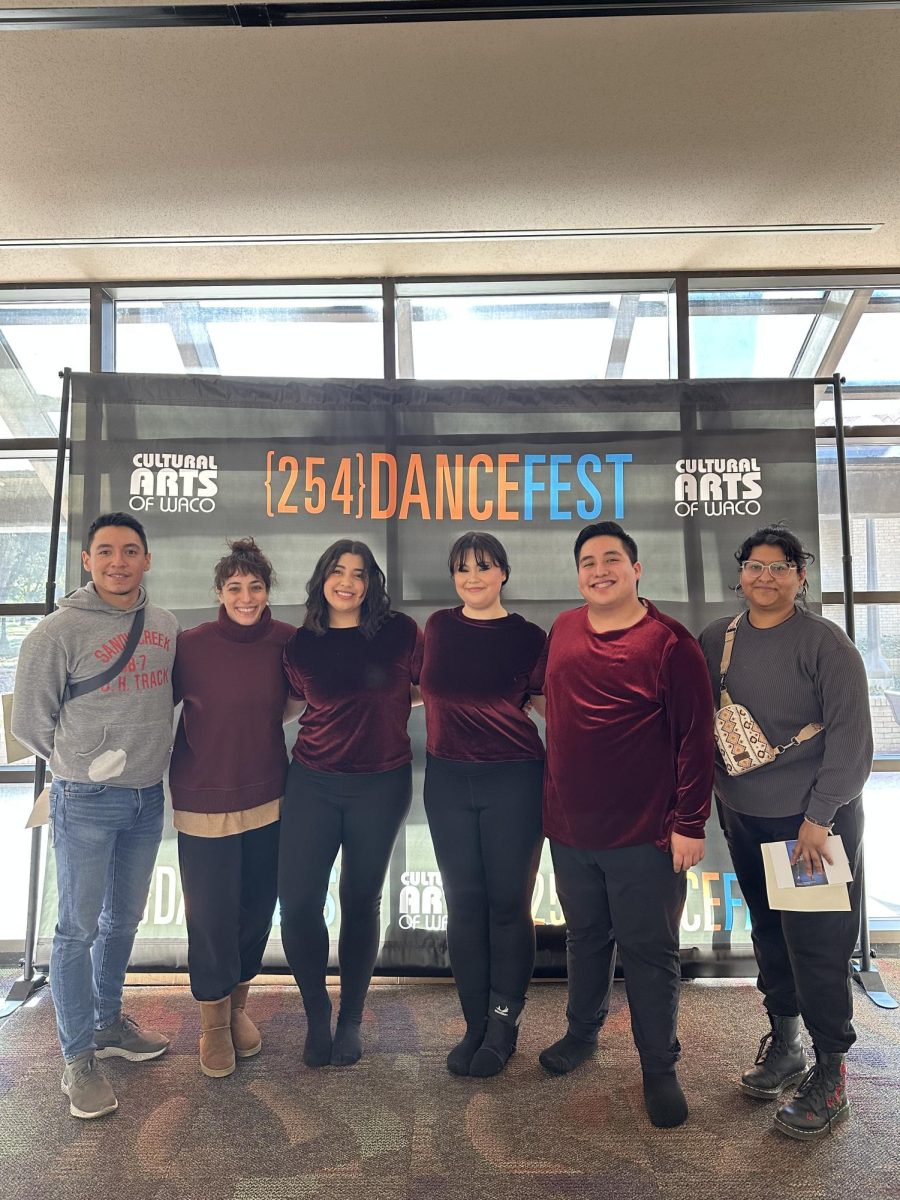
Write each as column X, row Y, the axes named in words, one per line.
column 778, row 570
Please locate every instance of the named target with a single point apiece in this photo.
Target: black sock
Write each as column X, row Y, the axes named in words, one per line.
column 495, row 1051
column 346, row 1048
column 460, row 1057
column 317, row 1047
column 664, row 1100
column 567, row 1054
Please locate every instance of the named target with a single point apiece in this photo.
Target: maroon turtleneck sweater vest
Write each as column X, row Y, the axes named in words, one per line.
column 229, row 751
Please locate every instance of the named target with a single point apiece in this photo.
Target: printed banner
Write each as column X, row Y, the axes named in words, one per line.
column 687, row 468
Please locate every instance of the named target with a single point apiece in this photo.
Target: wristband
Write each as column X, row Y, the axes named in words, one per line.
column 818, row 824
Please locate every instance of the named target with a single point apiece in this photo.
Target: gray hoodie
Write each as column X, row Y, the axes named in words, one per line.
column 120, row 734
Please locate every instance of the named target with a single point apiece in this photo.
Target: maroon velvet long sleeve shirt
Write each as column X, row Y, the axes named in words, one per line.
column 630, row 749
column 357, row 695
column 474, row 681
column 229, row 750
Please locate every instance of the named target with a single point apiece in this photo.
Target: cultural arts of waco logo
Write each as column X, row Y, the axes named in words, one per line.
column 173, row 483
column 717, row 487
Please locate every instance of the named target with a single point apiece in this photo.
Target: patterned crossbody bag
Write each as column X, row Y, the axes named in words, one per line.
column 742, row 744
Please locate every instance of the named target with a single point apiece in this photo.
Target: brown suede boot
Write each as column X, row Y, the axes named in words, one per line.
column 216, row 1048
column 244, row 1033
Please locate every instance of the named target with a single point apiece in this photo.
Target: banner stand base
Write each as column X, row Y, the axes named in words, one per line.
column 23, row 989
column 872, row 984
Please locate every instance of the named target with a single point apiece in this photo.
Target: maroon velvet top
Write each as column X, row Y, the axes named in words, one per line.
column 357, row 695
column 629, row 733
column 474, row 682
column 229, row 749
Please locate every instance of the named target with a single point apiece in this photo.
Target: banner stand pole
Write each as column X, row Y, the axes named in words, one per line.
column 868, row 978
column 31, row 981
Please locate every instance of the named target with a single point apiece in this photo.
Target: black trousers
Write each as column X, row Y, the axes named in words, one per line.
column 634, row 899
column 360, row 815
column 485, row 821
column 229, row 896
column 803, row 957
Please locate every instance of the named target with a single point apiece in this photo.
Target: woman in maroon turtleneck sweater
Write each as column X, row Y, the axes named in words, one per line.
column 349, row 786
column 227, row 780
column 483, row 797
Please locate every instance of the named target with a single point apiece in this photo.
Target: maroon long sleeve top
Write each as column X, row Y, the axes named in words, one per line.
column 474, row 681
column 357, row 694
column 630, row 748
column 229, row 750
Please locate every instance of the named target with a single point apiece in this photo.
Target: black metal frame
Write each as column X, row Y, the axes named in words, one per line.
column 380, row 12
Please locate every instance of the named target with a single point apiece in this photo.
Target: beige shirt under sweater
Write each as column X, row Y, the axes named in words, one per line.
column 217, row 825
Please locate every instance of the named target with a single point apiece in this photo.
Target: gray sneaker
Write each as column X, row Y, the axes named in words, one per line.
column 89, row 1091
column 125, row 1039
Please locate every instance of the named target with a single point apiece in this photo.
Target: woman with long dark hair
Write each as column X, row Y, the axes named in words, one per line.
column 803, row 682
column 483, row 797
column 227, row 782
column 349, row 785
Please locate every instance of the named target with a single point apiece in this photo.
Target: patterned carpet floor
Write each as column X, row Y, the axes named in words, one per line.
column 397, row 1126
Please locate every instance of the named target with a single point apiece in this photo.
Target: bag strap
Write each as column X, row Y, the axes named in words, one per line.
column 85, row 686
column 724, row 698
column 807, row 732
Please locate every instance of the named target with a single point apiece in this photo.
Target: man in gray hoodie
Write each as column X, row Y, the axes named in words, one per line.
column 106, row 734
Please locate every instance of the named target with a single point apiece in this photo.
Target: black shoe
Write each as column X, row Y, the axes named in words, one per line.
column 821, row 1100
column 779, row 1062
column 567, row 1054
column 496, row 1050
column 459, row 1060
column 664, row 1100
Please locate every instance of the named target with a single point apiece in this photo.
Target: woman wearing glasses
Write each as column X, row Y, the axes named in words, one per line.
column 791, row 668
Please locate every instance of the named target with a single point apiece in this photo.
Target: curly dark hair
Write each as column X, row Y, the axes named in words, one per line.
column 778, row 535
column 488, row 550
column 244, row 558
column 376, row 606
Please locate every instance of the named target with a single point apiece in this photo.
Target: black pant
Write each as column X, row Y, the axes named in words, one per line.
column 229, row 896
column 360, row 815
column 631, row 897
column 485, row 821
column 803, row 957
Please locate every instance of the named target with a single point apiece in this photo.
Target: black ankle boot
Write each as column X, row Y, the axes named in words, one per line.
column 780, row 1060
column 496, row 1050
column 459, row 1060
column 821, row 1100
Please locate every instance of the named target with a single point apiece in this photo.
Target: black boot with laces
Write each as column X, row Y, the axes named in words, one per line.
column 820, row 1103
column 780, row 1060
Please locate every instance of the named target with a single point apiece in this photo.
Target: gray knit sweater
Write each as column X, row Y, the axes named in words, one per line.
column 805, row 669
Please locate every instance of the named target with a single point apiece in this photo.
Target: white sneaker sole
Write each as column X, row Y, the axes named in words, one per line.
column 84, row 1115
column 131, row 1055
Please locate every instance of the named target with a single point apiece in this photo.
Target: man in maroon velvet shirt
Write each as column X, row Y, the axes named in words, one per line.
column 626, row 797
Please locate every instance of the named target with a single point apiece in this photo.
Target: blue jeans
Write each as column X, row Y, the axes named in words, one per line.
column 105, row 841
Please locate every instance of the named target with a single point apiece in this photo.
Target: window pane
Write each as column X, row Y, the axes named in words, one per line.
column 873, row 483
column 15, row 841
column 37, row 340
column 882, row 803
column 571, row 336
column 26, row 506
column 878, row 640
column 754, row 334
column 13, row 631
column 313, row 338
column 873, row 352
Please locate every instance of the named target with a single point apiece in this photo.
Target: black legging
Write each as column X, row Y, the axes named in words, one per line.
column 360, row 815
column 485, row 821
column 229, row 898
